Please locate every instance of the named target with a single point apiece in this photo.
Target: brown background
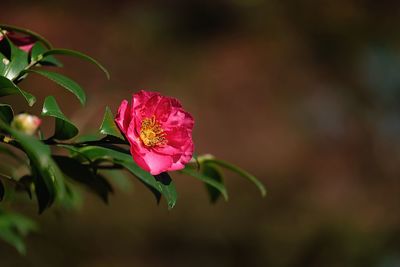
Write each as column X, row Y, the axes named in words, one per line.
column 304, row 94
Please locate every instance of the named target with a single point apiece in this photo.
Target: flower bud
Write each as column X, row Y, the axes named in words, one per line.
column 26, row 123
column 204, row 157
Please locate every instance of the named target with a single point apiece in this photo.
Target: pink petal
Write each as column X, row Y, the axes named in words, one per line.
column 133, row 136
column 163, row 110
column 149, row 108
column 123, row 117
column 153, row 162
column 179, row 117
column 26, row 48
column 22, row 41
column 140, row 98
column 138, row 158
column 175, row 102
column 185, row 158
column 177, row 138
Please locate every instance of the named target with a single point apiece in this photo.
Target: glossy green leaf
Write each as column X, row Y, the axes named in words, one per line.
column 14, row 227
column 49, row 183
column 27, row 32
column 73, row 53
column 169, row 192
column 84, row 174
column 190, row 170
column 3, row 64
column 89, row 138
column 44, row 189
column 17, row 63
column 108, row 126
column 64, row 128
column 7, row 87
column 212, row 171
column 25, row 184
column 63, row 81
column 239, row 171
column 125, row 159
column 73, row 197
column 6, row 113
column 37, row 52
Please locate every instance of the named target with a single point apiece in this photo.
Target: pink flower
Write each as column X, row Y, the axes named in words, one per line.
column 159, row 131
column 23, row 42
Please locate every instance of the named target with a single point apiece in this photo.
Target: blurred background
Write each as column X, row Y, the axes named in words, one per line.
column 304, row 94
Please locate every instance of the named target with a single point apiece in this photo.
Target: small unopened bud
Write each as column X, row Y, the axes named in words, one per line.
column 204, row 157
column 26, row 123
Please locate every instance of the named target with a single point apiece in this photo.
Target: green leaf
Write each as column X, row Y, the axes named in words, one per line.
column 7, row 87
column 73, row 198
column 68, row 52
column 48, row 178
column 45, row 190
column 64, row 129
column 169, row 192
column 189, row 170
column 13, row 227
column 239, row 171
column 212, row 171
column 6, row 113
column 27, row 32
column 89, row 138
column 84, row 175
column 63, row 81
column 108, row 126
column 125, row 159
column 25, row 184
column 14, row 239
column 3, row 64
column 37, row 51
column 37, row 56
column 18, row 62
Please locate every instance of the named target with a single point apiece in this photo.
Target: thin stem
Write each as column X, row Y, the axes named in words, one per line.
column 25, row 71
column 108, row 167
column 87, row 143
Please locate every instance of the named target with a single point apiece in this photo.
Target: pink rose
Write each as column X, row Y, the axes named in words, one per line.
column 159, row 131
column 23, row 42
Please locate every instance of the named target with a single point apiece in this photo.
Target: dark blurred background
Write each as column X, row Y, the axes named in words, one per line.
column 304, row 94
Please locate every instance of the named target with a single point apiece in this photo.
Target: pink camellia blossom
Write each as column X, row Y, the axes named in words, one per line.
column 159, row 131
column 23, row 42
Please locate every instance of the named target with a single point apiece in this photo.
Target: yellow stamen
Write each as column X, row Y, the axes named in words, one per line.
column 151, row 133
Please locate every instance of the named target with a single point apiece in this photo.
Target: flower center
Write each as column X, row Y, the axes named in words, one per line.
column 151, row 133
